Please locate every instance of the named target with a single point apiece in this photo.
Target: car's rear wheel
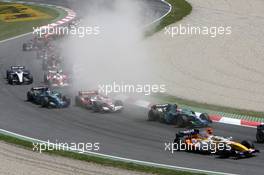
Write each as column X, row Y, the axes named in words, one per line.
column 77, row 101
column 30, row 79
column 224, row 153
column 67, row 100
column 181, row 120
column 29, row 96
column 10, row 80
column 152, row 115
column 24, row 47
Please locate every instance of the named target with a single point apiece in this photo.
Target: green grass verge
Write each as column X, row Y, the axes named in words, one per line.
column 98, row 160
column 11, row 29
column 180, row 101
column 180, row 9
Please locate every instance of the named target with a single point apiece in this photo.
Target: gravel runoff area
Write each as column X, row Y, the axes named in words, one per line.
column 226, row 70
column 16, row 160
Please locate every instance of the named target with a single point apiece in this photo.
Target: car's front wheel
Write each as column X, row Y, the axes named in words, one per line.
column 96, row 107
column 205, row 116
column 29, row 96
column 45, row 102
column 247, row 144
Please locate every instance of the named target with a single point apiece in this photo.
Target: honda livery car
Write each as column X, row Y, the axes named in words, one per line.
column 18, row 75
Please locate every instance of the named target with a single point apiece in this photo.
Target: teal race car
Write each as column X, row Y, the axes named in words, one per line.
column 46, row 98
column 171, row 114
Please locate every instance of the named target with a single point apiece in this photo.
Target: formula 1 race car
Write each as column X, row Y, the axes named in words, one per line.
column 56, row 78
column 18, row 75
column 42, row 54
column 194, row 141
column 51, row 63
column 97, row 102
column 171, row 114
column 29, row 46
column 35, row 44
column 260, row 134
column 46, row 98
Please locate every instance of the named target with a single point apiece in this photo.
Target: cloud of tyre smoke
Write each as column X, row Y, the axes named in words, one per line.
column 117, row 54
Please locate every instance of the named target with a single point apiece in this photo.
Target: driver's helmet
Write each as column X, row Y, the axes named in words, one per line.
column 48, row 92
column 168, row 107
column 98, row 97
column 195, row 136
column 209, row 131
column 175, row 106
column 58, row 72
column 19, row 71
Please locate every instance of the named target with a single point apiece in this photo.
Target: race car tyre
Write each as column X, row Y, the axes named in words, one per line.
column 30, row 79
column 24, row 47
column 205, row 116
column 29, row 96
column 45, row 102
column 177, row 144
column 224, row 153
column 260, row 136
column 10, row 80
column 153, row 115
column 7, row 74
column 162, row 119
column 247, row 144
column 119, row 103
column 181, row 120
column 45, row 79
column 96, row 107
column 78, row 101
column 67, row 101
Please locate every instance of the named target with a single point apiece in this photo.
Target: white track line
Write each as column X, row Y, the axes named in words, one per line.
column 33, row 140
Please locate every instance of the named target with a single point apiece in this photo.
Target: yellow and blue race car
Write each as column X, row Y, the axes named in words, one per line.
column 205, row 142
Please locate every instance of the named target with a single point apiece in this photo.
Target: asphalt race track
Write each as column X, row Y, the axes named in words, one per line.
column 125, row 134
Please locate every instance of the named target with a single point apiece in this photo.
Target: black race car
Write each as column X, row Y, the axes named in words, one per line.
column 18, row 75
column 28, row 46
column 260, row 134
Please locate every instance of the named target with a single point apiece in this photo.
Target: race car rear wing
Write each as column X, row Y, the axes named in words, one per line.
column 160, row 106
column 189, row 132
column 18, row 67
column 87, row 93
column 41, row 88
